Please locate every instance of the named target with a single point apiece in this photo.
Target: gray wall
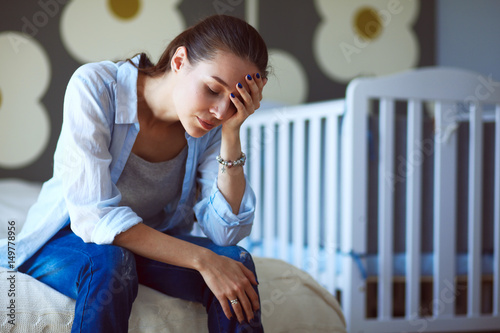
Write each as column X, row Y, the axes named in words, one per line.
column 468, row 35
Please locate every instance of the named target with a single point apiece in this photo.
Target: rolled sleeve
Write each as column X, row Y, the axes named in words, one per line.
column 217, row 220
column 106, row 230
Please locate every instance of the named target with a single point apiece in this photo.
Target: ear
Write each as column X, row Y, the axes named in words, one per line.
column 179, row 59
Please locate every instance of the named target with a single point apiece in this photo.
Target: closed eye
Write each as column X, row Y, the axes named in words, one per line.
column 212, row 92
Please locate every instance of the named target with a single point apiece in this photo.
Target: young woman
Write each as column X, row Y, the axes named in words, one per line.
column 144, row 151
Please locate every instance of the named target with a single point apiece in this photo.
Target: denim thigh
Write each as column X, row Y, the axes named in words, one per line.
column 65, row 260
column 101, row 278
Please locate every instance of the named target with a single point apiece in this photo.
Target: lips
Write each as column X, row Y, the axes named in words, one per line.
column 205, row 124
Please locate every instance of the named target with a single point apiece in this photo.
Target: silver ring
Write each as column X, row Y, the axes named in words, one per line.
column 234, row 301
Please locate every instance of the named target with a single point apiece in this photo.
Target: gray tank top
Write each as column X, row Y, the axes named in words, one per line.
column 148, row 188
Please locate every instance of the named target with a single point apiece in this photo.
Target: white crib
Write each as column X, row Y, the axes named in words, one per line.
column 314, row 174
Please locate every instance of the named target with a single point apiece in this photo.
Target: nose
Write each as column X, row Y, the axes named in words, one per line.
column 220, row 109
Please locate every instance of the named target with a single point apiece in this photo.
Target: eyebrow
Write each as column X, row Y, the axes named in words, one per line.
column 221, row 81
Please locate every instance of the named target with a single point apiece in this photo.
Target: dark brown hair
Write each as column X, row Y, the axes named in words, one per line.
column 205, row 39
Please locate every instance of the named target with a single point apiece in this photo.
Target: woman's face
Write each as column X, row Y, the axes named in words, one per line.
column 201, row 92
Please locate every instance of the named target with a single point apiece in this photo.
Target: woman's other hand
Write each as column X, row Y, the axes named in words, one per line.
column 231, row 280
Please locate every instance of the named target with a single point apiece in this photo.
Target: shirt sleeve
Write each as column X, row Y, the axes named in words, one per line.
column 82, row 161
column 213, row 212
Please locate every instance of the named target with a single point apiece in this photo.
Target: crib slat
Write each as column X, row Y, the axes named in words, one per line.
column 496, row 222
column 445, row 153
column 386, row 207
column 283, row 198
column 475, row 208
column 255, row 180
column 269, row 198
column 415, row 155
column 299, row 144
column 244, row 137
column 313, row 197
column 331, row 204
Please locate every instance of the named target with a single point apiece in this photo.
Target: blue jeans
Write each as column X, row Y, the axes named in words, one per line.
column 103, row 279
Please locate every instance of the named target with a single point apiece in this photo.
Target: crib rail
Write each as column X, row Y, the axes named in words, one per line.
column 292, row 166
column 461, row 103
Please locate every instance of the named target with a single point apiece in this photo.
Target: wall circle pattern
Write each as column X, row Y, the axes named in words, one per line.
column 24, row 121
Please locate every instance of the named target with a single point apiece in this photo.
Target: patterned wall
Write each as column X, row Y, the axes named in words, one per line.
column 316, row 48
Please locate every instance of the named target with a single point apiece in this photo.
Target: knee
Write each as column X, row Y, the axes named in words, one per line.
column 115, row 270
column 109, row 288
column 240, row 254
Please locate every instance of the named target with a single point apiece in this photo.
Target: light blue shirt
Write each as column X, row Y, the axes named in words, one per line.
column 99, row 128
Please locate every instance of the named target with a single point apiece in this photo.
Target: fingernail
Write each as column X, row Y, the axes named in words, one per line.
column 232, row 95
column 239, row 85
column 257, row 75
column 249, row 77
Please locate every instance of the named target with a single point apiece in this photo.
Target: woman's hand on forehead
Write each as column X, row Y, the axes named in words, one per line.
column 246, row 100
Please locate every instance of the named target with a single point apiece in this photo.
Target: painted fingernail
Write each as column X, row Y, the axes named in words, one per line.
column 239, row 85
column 232, row 95
column 257, row 75
column 249, row 77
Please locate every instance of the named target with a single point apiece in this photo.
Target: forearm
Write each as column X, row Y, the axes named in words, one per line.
column 150, row 243
column 231, row 181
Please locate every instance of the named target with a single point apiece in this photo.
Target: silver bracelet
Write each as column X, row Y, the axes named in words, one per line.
column 241, row 161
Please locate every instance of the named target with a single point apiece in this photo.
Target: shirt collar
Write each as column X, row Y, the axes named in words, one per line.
column 126, row 92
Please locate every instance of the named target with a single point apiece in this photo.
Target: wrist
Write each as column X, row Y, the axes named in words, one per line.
column 202, row 259
column 229, row 164
column 230, row 148
column 230, row 134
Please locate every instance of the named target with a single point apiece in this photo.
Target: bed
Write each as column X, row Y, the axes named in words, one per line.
column 291, row 300
column 390, row 198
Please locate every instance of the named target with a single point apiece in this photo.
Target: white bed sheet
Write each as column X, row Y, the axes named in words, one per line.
column 291, row 300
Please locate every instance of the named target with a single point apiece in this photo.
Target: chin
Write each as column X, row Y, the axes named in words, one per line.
column 196, row 132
